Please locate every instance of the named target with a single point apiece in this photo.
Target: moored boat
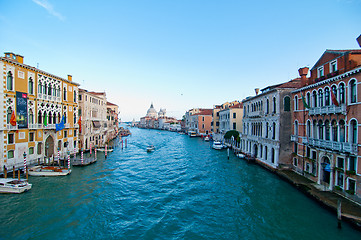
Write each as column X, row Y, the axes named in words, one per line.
column 86, row 161
column 217, row 145
column 192, row 134
column 103, row 149
column 48, row 171
column 13, row 185
column 150, row 148
column 206, row 138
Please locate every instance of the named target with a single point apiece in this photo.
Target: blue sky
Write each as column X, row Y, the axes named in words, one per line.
column 178, row 54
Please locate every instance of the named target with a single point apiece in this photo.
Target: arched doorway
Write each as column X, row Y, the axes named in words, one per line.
column 49, row 146
column 255, row 150
column 326, row 170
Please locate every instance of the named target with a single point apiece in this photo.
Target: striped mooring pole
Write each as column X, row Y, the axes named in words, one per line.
column 106, row 150
column 69, row 161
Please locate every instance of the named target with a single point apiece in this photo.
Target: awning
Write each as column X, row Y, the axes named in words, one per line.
column 96, row 124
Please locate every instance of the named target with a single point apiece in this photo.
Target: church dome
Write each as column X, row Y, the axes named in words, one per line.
column 152, row 112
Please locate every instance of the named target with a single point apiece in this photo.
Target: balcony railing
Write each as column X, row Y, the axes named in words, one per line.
column 327, row 110
column 336, row 146
column 255, row 114
column 11, row 127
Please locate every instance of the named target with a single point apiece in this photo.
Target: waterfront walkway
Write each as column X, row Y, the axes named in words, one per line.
column 351, row 211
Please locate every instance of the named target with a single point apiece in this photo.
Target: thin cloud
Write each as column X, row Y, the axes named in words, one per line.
column 48, row 7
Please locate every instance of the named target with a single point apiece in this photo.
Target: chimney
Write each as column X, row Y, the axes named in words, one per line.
column 256, row 90
column 303, row 73
column 70, row 78
column 20, row 59
column 359, row 40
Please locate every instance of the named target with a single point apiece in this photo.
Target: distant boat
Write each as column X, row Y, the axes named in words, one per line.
column 13, row 185
column 48, row 171
column 241, row 155
column 217, row 145
column 192, row 134
column 150, row 148
column 103, row 149
column 206, row 139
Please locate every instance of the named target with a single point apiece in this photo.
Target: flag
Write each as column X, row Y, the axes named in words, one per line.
column 13, row 119
column 334, row 99
column 45, row 119
column 79, row 123
column 61, row 125
column 304, row 101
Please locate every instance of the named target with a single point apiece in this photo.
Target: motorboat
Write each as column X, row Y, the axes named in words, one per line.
column 206, row 138
column 192, row 134
column 217, row 145
column 103, row 149
column 48, row 171
column 240, row 155
column 13, row 185
column 150, row 148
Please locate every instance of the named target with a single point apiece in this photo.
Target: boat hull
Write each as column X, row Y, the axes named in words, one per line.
column 40, row 171
column 6, row 186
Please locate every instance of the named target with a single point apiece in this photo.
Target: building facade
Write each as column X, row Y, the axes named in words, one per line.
column 112, row 127
column 263, row 115
column 93, row 111
column 326, row 123
column 39, row 113
column 230, row 117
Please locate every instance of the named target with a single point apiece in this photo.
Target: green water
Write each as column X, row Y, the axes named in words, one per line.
column 183, row 190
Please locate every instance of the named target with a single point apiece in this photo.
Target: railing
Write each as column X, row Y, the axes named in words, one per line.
column 327, row 110
column 11, row 127
column 336, row 146
column 255, row 114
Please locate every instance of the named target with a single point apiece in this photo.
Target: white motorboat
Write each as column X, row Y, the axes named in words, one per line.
column 150, row 148
column 217, row 145
column 48, row 171
column 192, row 134
column 13, row 185
column 103, row 149
column 241, row 155
column 206, row 139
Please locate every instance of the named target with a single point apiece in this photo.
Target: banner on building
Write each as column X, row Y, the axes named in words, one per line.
column 22, row 109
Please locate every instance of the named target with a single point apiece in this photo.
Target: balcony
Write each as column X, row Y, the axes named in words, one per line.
column 255, row 114
column 11, row 127
column 336, row 146
column 327, row 110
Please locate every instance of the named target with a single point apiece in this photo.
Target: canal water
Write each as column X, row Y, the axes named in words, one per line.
column 183, row 190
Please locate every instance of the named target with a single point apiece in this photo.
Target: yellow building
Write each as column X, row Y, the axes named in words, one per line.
column 39, row 102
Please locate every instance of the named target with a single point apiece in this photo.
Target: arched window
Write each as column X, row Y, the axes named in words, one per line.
column 40, row 88
column 308, row 129
column 314, row 98
column 31, row 86
column 31, row 116
column 286, row 104
column 274, row 105
column 334, row 90
column 267, row 107
column 58, row 92
column 265, row 152
column 65, row 120
column 274, row 131
column 74, row 118
column 334, row 131
column 273, row 155
column 320, row 129
column 9, row 112
column 342, row 93
column 342, row 130
column 353, row 92
column 296, row 103
column 49, row 90
column 10, row 81
column 308, row 99
column 75, row 96
column 58, row 117
column 353, row 131
column 314, row 132
column 50, row 118
column 320, row 98
column 54, row 118
column 296, row 128
column 39, row 117
column 327, row 130
column 327, row 96
column 45, row 88
column 266, row 129
column 64, row 97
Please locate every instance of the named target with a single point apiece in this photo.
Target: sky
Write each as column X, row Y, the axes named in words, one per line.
column 176, row 54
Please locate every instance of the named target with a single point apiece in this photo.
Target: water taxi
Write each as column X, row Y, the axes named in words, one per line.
column 48, row 171
column 217, row 145
column 13, row 185
column 192, row 134
column 150, row 148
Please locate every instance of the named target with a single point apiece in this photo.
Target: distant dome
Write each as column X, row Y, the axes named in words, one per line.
column 152, row 112
column 162, row 112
